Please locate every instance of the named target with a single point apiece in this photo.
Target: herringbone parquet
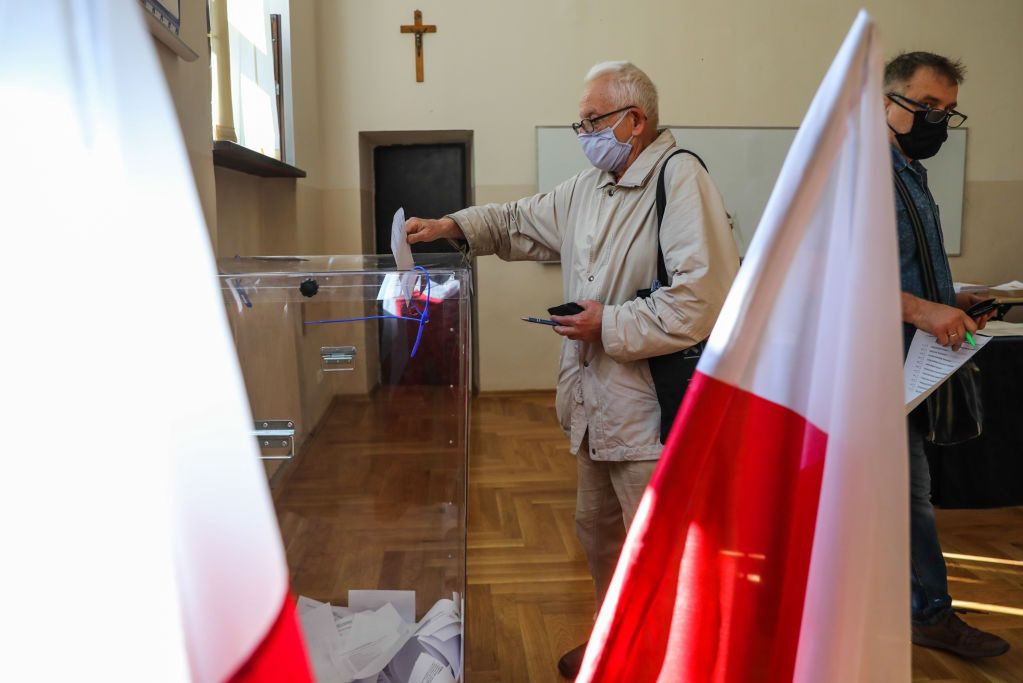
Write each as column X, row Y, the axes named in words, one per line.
column 530, row 596
column 984, row 553
column 367, row 504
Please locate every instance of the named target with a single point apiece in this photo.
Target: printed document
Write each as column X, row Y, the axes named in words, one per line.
column 929, row 364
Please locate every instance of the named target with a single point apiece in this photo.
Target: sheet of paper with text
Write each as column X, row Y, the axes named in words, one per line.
column 929, row 364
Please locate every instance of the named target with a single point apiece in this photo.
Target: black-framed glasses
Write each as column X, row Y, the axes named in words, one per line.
column 954, row 118
column 589, row 125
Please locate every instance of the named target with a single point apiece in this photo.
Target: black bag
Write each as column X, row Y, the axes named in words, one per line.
column 954, row 411
column 672, row 372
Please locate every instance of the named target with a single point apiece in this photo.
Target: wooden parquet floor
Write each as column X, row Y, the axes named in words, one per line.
column 370, row 501
column 530, row 597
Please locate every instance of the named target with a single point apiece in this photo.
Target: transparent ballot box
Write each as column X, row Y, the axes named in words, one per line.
column 358, row 380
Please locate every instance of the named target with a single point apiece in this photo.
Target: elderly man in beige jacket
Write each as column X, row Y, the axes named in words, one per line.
column 602, row 225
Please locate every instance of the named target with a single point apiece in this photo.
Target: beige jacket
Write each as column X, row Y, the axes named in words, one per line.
column 606, row 237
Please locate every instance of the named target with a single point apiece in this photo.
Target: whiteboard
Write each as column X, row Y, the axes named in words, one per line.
column 745, row 162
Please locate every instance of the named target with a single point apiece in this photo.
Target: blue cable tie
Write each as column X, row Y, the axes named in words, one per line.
column 422, row 319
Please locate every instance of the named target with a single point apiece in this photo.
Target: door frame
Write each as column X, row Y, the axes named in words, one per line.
column 368, row 142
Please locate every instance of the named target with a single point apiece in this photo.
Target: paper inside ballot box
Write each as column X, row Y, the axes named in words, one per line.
column 376, row 639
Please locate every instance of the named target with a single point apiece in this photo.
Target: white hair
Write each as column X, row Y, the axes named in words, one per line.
column 628, row 85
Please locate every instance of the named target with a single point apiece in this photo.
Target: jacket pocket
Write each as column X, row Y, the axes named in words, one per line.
column 628, row 414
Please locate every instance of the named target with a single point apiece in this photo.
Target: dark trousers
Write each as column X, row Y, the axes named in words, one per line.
column 930, row 598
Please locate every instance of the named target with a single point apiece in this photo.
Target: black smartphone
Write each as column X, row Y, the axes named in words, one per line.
column 981, row 307
column 571, row 308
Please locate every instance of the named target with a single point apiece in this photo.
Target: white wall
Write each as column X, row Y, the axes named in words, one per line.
column 501, row 69
column 189, row 84
column 250, row 215
column 246, row 214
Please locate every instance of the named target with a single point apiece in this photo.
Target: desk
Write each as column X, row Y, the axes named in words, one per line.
column 987, row 471
column 1005, row 298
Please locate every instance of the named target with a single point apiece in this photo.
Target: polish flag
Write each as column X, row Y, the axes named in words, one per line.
column 140, row 540
column 772, row 543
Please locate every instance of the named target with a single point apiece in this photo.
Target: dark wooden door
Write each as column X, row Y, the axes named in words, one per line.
column 428, row 180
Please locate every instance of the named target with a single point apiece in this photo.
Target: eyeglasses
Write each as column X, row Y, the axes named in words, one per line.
column 954, row 118
column 589, row 125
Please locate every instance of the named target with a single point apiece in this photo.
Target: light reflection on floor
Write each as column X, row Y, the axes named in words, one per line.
column 1007, row 566
column 981, row 558
column 984, row 607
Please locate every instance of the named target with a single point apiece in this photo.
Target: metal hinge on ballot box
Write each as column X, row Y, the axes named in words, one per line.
column 337, row 358
column 276, row 439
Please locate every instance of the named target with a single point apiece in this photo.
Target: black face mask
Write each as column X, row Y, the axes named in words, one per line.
column 924, row 139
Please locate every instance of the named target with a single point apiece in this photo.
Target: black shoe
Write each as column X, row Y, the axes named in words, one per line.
column 956, row 636
column 571, row 661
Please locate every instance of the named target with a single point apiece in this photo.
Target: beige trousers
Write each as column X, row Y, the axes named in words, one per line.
column 607, row 496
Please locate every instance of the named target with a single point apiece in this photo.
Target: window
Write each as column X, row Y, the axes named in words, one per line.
column 258, row 37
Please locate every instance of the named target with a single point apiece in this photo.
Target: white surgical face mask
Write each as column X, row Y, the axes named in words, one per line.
column 604, row 150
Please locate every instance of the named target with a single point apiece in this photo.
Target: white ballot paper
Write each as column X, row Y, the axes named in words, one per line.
column 402, row 254
column 440, row 634
column 371, row 639
column 304, row 604
column 1009, row 286
column 429, row 670
column 382, row 645
column 929, row 364
column 341, row 612
column 346, row 646
column 404, row 602
column 323, row 644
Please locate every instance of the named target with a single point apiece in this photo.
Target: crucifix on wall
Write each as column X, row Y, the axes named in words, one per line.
column 419, row 28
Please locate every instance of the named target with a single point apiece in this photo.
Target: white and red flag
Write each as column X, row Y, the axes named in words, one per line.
column 140, row 540
column 772, row 543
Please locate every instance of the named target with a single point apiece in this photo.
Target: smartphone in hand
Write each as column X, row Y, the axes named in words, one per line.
column 571, row 308
column 981, row 307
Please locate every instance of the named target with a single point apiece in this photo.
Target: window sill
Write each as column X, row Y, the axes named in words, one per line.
column 169, row 38
column 231, row 155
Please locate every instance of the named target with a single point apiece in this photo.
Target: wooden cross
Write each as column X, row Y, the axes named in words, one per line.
column 419, row 29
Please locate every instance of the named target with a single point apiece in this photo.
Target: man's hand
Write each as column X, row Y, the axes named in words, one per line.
column 966, row 299
column 947, row 323
column 428, row 230
column 583, row 326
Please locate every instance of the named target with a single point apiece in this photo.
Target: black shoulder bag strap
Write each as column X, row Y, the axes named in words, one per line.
column 662, row 202
column 672, row 372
